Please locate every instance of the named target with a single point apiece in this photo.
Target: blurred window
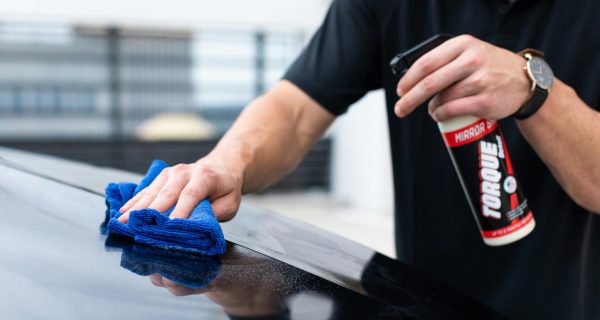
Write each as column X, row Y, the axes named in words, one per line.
column 121, row 77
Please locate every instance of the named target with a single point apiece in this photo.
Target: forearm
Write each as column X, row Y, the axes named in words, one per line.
column 271, row 136
column 565, row 133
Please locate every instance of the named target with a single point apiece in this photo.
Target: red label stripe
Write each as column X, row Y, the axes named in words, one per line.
column 509, row 167
column 514, row 202
column 470, row 133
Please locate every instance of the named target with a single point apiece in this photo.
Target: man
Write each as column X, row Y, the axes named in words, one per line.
column 552, row 273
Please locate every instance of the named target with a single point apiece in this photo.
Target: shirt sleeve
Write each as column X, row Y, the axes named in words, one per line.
column 341, row 62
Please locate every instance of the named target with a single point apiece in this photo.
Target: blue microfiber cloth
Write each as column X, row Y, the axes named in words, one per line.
column 200, row 233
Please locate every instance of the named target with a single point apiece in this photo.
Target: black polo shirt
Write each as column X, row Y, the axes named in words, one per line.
column 554, row 273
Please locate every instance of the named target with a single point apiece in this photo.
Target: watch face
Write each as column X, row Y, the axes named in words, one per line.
column 541, row 73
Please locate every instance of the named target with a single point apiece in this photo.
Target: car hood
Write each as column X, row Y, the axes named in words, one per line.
column 56, row 264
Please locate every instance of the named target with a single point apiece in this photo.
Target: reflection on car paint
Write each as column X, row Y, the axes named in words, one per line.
column 193, row 271
column 56, row 266
column 246, row 283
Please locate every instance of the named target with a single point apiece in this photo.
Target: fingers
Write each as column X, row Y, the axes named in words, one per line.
column 203, row 184
column 156, row 280
column 451, row 62
column 173, row 287
column 191, row 195
column 184, row 186
column 155, row 186
column 464, row 88
column 430, row 62
column 144, row 198
column 475, row 105
column 464, row 76
column 169, row 193
column 176, row 289
column 434, row 103
column 432, row 84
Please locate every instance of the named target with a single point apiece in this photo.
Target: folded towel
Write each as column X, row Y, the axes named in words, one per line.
column 187, row 269
column 200, row 233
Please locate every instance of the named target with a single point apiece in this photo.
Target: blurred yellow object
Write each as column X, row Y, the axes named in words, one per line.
column 175, row 126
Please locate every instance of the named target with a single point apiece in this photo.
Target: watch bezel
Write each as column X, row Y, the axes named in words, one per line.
column 547, row 68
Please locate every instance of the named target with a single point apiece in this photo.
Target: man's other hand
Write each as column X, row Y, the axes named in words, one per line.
column 465, row 76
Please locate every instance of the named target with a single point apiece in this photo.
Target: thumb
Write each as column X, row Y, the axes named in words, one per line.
column 226, row 207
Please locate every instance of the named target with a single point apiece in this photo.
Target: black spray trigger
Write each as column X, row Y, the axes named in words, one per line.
column 402, row 61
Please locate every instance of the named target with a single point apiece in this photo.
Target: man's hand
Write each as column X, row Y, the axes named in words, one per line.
column 188, row 184
column 465, row 76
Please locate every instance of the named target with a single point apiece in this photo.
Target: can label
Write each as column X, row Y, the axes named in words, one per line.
column 483, row 164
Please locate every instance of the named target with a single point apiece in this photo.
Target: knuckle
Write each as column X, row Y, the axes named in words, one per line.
column 478, row 81
column 179, row 168
column 205, row 172
column 425, row 63
column 190, row 191
column 487, row 101
column 149, row 194
column 466, row 38
column 428, row 84
column 472, row 39
column 460, row 87
column 168, row 194
column 474, row 60
column 449, row 112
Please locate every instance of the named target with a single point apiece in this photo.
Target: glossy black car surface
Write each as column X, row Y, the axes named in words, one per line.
column 56, row 265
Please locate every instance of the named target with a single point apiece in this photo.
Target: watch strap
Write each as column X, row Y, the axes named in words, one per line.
column 532, row 105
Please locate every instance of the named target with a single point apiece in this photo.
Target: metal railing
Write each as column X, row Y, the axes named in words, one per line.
column 79, row 92
column 104, row 81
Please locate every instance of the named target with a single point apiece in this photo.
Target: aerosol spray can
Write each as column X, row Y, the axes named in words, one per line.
column 483, row 165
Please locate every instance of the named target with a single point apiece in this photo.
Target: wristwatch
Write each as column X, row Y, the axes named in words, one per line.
column 541, row 77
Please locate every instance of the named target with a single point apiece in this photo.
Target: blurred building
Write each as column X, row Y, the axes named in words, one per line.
column 119, row 96
column 223, row 37
column 61, row 81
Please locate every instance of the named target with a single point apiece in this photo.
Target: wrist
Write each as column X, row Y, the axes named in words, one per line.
column 541, row 78
column 555, row 106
